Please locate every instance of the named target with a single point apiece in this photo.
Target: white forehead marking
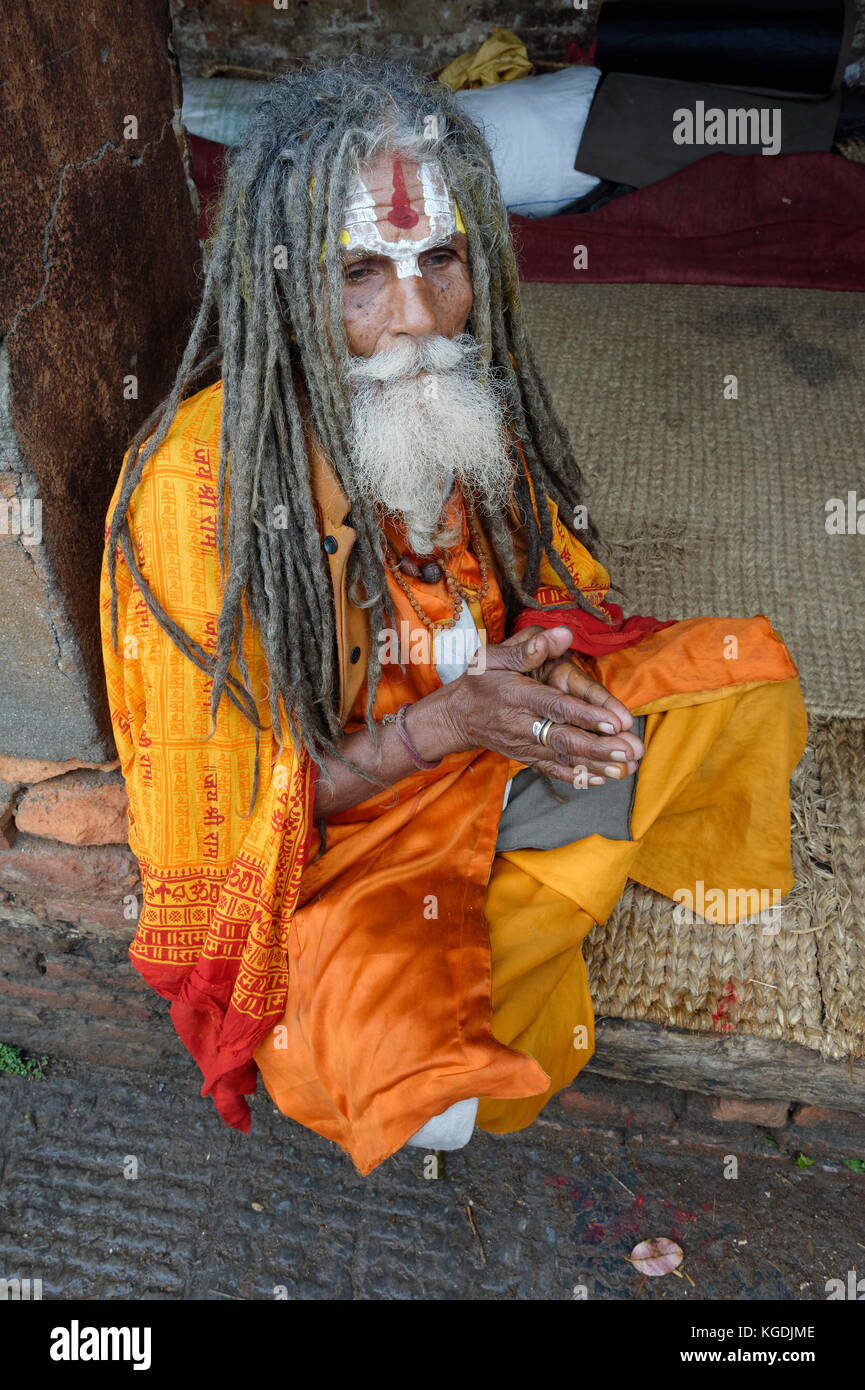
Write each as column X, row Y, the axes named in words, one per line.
column 362, row 225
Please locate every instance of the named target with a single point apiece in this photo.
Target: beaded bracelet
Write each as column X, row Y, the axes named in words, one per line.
column 399, row 720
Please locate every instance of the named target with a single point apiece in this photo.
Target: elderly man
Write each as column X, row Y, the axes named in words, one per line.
column 390, row 751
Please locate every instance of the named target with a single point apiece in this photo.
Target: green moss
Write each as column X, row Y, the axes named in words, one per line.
column 13, row 1064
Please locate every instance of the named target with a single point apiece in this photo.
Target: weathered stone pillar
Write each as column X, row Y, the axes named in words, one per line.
column 99, row 285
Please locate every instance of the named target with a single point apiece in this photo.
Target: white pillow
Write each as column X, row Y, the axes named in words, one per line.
column 533, row 127
column 218, row 108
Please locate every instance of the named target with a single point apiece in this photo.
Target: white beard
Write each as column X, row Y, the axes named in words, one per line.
column 422, row 418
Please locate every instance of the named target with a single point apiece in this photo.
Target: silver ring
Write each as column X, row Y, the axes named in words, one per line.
column 541, row 730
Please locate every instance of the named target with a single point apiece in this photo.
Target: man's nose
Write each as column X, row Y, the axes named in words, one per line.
column 411, row 307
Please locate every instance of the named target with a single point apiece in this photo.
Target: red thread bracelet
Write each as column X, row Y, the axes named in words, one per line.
column 399, row 720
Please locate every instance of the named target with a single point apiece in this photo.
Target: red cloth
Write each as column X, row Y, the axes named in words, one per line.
column 208, row 170
column 592, row 636
column 795, row 219
column 582, row 57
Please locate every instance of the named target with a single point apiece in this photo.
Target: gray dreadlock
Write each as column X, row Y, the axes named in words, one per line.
column 285, row 186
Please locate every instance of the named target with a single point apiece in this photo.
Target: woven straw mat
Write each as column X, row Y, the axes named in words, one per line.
column 718, row 506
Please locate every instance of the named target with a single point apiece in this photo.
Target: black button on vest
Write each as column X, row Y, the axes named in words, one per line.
column 331, row 544
column 355, row 655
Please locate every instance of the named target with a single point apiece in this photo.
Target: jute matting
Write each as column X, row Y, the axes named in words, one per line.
column 718, row 506
column 798, row 977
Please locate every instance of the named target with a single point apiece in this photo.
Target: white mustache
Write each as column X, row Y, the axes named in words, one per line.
column 414, row 355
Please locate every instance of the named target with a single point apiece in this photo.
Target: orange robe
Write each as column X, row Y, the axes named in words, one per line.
column 408, row 966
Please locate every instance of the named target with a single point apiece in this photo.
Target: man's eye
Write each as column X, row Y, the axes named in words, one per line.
column 357, row 272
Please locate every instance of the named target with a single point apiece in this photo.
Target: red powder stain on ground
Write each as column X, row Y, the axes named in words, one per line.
column 577, row 1194
column 625, row 1226
column 557, row 1180
column 682, row 1214
column 401, row 214
column 720, row 1022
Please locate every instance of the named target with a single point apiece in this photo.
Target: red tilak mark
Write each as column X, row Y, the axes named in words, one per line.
column 401, row 214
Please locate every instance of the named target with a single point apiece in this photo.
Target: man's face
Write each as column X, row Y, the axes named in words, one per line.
column 425, row 411
column 405, row 261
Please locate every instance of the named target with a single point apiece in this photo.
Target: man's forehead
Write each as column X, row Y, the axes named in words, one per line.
column 403, row 199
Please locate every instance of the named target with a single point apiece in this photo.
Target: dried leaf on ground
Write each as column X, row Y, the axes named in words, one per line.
column 655, row 1257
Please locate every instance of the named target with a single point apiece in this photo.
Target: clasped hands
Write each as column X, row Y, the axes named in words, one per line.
column 528, row 677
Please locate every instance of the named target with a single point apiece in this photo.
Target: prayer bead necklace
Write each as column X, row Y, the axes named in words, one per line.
column 434, row 574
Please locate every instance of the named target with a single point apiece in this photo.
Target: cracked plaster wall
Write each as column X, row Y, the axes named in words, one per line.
column 101, row 280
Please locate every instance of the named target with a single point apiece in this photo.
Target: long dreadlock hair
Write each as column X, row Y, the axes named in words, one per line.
column 272, row 289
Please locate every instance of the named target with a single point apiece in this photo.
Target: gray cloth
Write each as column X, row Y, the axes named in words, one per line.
column 628, row 137
column 535, row 819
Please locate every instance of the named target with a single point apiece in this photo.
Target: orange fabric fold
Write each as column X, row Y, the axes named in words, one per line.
column 697, row 656
column 711, row 828
column 388, row 1014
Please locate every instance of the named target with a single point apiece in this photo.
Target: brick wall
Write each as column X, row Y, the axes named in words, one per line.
column 72, row 994
column 63, row 843
column 254, row 33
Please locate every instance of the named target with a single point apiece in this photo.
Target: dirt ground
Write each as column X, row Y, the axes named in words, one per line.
column 118, row 1184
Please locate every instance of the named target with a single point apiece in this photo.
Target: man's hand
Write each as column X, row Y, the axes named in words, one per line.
column 496, row 707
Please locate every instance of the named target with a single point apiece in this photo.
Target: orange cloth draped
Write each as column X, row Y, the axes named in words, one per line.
column 218, row 890
column 406, row 965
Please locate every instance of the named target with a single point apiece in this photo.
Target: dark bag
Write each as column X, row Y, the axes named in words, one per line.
column 789, row 47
